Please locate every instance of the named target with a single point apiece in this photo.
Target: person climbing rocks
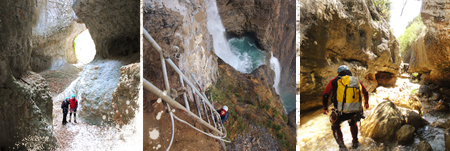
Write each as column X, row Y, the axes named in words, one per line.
column 65, row 107
column 73, row 109
column 347, row 91
column 223, row 112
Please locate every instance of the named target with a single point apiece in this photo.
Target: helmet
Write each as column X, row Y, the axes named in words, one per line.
column 73, row 96
column 342, row 68
column 225, row 108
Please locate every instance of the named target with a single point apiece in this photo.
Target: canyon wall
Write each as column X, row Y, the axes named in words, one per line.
column 352, row 33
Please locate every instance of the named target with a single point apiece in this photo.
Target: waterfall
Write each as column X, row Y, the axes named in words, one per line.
column 242, row 59
column 275, row 66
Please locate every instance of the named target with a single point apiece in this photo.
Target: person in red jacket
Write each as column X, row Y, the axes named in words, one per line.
column 340, row 117
column 73, row 109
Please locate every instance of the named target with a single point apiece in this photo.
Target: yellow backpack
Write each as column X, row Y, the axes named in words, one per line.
column 348, row 94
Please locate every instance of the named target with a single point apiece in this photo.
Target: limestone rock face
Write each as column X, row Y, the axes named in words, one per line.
column 180, row 29
column 94, row 99
column 26, row 113
column 271, row 22
column 431, row 51
column 125, row 96
column 113, row 25
column 53, row 34
column 26, row 105
column 383, row 123
column 352, row 33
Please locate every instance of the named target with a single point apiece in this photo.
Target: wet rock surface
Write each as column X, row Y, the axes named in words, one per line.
column 405, row 134
column 352, row 33
column 424, row 146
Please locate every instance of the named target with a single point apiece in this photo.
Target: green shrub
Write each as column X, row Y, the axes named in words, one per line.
column 269, row 124
column 280, row 135
column 285, row 118
column 412, row 31
column 277, row 127
column 383, row 7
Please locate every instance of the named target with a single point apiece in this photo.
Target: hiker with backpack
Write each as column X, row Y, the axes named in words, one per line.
column 73, row 109
column 347, row 93
column 65, row 107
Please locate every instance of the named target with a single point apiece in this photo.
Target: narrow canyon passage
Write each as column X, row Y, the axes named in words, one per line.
column 82, row 135
column 314, row 132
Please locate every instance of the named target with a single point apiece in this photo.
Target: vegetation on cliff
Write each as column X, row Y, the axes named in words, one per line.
column 413, row 30
column 251, row 101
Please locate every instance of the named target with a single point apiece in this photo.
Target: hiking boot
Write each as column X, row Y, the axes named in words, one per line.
column 343, row 148
column 75, row 121
column 69, row 120
column 355, row 144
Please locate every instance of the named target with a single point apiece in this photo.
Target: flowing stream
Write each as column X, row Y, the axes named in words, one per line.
column 314, row 132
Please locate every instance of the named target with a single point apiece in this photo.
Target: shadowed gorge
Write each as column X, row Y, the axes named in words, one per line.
column 39, row 68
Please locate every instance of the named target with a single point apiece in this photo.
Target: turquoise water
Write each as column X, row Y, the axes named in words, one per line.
column 288, row 100
column 247, row 56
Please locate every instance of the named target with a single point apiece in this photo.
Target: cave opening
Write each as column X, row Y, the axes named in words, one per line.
column 385, row 79
column 84, row 47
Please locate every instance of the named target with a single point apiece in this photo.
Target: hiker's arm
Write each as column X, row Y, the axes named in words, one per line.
column 326, row 94
column 366, row 94
column 62, row 104
column 76, row 104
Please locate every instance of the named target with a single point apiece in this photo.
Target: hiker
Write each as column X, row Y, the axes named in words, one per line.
column 65, row 107
column 223, row 112
column 73, row 109
column 347, row 91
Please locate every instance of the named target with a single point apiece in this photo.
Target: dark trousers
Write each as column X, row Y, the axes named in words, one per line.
column 336, row 127
column 64, row 116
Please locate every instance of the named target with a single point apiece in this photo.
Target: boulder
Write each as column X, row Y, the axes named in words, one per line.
column 413, row 118
column 423, row 146
column 424, row 91
column 405, row 134
column 383, row 123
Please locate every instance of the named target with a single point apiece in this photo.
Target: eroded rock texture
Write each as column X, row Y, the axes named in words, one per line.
column 113, row 25
column 352, row 33
column 26, row 106
column 126, row 95
column 271, row 23
column 53, row 34
column 431, row 50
